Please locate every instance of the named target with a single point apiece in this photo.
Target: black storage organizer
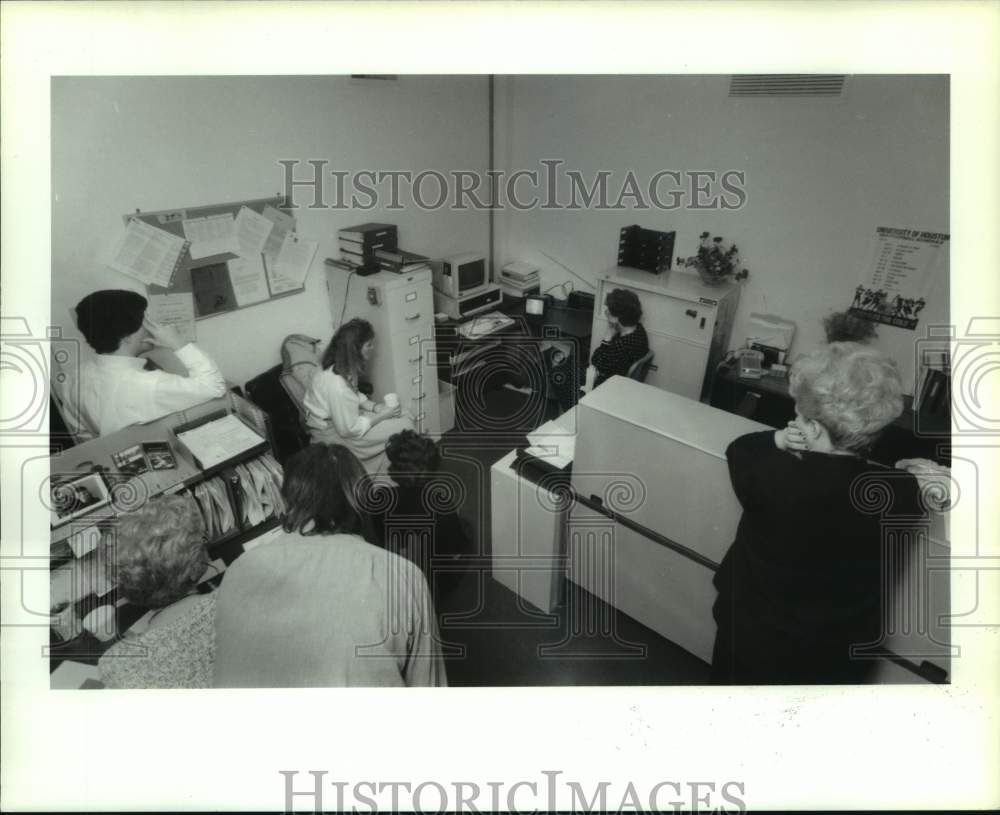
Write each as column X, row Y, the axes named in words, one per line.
column 645, row 249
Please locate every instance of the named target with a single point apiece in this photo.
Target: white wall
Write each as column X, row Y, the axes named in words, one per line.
column 163, row 142
column 821, row 175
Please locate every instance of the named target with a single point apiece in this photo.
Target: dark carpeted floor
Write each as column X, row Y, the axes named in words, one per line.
column 490, row 636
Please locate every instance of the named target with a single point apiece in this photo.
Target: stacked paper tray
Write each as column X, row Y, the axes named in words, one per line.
column 645, row 249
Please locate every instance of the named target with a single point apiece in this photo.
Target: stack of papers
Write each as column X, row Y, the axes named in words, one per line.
column 553, row 443
column 218, row 441
column 260, row 484
column 216, row 511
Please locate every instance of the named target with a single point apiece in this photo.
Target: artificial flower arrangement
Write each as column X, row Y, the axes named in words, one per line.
column 716, row 260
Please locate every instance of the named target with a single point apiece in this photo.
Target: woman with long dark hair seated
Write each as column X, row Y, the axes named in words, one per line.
column 803, row 584
column 321, row 606
column 338, row 412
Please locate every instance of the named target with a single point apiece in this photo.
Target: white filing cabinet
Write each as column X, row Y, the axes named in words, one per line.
column 400, row 308
column 659, row 460
column 527, row 543
column 688, row 325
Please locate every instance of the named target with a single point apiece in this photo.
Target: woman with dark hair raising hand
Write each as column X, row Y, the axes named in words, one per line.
column 625, row 341
column 338, row 413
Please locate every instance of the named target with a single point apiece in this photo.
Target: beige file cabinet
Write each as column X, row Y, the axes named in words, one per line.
column 659, row 460
column 527, row 544
column 400, row 308
column 688, row 325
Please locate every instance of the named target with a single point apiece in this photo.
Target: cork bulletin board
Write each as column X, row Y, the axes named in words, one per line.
column 210, row 279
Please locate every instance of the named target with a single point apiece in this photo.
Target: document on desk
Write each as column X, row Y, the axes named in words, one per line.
column 249, row 280
column 220, row 440
column 176, row 310
column 211, row 235
column 484, row 325
column 553, row 443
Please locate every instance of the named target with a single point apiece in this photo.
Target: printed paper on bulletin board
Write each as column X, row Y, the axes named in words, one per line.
column 214, row 270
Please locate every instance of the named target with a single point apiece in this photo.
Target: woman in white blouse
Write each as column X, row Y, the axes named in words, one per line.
column 338, row 413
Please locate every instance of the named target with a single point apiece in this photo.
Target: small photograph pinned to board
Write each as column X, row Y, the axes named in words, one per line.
column 76, row 497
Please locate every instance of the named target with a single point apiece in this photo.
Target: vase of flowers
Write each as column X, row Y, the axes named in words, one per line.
column 716, row 261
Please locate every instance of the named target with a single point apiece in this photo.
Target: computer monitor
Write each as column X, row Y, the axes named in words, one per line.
column 534, row 305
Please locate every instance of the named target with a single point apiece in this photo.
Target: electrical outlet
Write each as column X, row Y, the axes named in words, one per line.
column 373, row 295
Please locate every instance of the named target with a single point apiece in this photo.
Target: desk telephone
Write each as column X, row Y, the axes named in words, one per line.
column 751, row 363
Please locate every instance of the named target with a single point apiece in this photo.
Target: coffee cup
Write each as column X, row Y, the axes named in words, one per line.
column 392, row 400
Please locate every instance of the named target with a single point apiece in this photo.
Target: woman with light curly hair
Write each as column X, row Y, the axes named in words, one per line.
column 156, row 556
column 803, row 582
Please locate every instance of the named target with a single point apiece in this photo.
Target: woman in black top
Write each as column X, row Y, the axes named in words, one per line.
column 625, row 341
column 803, row 581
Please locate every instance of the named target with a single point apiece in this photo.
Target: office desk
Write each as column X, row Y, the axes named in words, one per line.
column 98, row 452
column 455, row 353
column 767, row 400
column 515, row 355
column 83, row 572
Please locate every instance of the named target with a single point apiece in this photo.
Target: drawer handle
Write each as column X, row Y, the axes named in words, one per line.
column 691, row 313
column 416, row 359
column 413, row 317
column 418, row 398
column 702, row 323
column 421, row 417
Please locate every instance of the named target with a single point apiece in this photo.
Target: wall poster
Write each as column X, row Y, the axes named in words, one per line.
column 903, row 264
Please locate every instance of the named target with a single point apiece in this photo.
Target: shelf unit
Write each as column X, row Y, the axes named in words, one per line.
column 130, row 492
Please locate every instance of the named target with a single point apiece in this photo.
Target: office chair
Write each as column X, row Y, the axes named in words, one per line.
column 640, row 368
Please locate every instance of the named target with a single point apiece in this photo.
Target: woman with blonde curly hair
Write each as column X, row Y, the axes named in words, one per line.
column 803, row 581
column 156, row 556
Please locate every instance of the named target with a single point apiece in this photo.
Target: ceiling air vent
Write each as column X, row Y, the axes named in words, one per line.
column 774, row 85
